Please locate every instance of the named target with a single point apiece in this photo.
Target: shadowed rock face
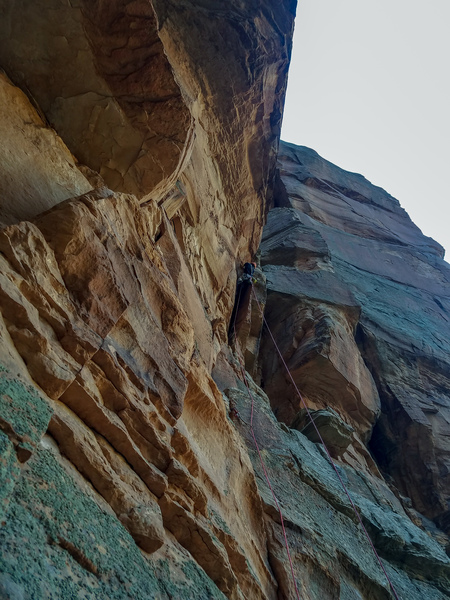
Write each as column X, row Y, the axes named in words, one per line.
column 38, row 171
column 133, row 90
column 365, row 298
column 100, row 75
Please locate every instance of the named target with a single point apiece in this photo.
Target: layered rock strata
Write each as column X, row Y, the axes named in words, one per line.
column 99, row 73
column 112, row 314
column 360, row 301
column 127, row 466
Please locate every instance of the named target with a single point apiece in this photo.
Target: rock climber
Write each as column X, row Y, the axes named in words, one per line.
column 249, row 270
column 242, row 302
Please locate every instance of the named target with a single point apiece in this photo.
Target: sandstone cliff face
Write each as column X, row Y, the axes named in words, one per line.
column 139, row 164
column 367, row 296
column 100, row 75
column 38, row 171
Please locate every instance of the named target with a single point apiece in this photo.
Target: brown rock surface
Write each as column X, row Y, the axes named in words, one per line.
column 134, row 405
column 119, row 313
column 37, row 169
column 362, row 290
column 127, row 466
column 100, row 76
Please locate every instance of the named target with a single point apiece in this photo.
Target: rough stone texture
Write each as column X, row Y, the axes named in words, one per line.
column 99, row 324
column 362, row 290
column 118, row 313
column 324, row 425
column 37, row 169
column 24, row 418
column 127, row 466
column 332, row 558
column 62, row 541
column 237, row 121
column 100, row 75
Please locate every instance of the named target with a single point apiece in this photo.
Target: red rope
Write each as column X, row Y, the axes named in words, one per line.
column 268, row 479
column 326, row 450
column 266, row 475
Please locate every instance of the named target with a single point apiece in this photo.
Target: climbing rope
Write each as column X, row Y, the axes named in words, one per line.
column 325, row 448
column 266, row 475
column 252, row 431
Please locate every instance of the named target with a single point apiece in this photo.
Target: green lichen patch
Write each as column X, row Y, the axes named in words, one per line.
column 186, row 580
column 58, row 542
column 219, row 522
column 22, row 410
column 9, row 471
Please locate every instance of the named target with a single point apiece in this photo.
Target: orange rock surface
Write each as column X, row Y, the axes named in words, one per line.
column 139, row 166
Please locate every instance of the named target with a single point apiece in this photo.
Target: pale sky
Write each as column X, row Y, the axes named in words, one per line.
column 369, row 90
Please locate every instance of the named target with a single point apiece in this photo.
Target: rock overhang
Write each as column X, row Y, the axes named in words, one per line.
column 101, row 77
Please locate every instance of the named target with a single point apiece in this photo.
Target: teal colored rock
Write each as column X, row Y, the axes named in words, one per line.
column 9, row 471
column 59, row 541
column 24, row 417
column 351, row 254
column 24, row 413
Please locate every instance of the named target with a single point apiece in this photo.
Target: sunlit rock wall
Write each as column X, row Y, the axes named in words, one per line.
column 122, row 475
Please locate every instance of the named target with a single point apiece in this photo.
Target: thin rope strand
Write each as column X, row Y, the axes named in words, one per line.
column 268, row 479
column 326, row 450
column 252, row 431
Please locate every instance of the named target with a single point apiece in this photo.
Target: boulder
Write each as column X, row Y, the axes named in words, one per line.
column 335, row 432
